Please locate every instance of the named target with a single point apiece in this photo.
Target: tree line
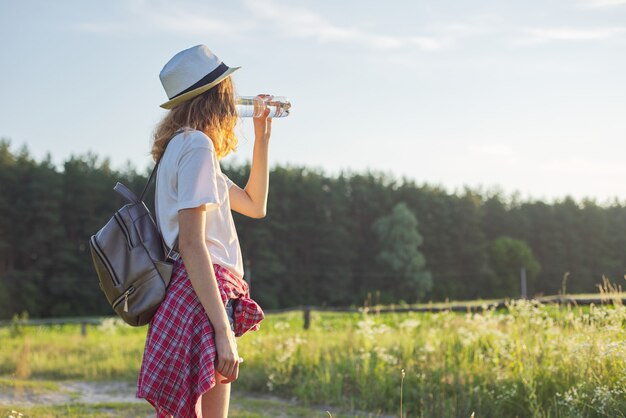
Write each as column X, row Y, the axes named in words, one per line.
column 325, row 240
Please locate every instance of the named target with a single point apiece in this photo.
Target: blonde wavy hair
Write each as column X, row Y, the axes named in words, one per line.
column 212, row 112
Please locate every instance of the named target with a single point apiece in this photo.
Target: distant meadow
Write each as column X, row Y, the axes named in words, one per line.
column 527, row 361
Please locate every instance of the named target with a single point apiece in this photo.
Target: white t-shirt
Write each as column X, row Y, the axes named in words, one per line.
column 188, row 176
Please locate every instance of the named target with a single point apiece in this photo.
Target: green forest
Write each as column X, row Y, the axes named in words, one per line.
column 326, row 241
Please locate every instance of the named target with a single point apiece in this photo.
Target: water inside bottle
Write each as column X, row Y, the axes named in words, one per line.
column 253, row 106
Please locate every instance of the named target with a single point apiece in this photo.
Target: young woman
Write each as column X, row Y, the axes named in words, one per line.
column 191, row 356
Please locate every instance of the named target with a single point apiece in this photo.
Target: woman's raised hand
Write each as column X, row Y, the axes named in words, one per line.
column 263, row 124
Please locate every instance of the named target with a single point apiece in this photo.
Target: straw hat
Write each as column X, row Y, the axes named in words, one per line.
column 192, row 72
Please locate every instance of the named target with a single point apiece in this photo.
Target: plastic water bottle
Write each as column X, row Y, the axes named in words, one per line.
column 254, row 106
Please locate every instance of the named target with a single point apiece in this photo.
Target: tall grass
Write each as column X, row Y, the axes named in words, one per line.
column 109, row 351
column 531, row 361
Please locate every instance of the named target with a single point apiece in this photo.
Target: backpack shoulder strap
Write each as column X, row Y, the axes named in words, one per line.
column 150, row 179
column 147, row 186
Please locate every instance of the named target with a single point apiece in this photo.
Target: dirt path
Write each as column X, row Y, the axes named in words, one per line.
column 91, row 393
column 70, row 392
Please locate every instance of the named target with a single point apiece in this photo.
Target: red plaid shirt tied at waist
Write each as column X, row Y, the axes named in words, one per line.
column 248, row 313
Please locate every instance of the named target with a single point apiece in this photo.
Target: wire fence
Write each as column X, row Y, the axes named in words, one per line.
column 471, row 306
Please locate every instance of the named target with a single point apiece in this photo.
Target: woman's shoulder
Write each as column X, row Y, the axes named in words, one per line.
column 193, row 138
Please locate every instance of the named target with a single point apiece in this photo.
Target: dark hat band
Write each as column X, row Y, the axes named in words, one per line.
column 207, row 79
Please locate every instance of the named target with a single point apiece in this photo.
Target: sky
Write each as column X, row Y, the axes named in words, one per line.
column 525, row 97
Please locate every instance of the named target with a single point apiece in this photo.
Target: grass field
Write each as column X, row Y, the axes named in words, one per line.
column 528, row 361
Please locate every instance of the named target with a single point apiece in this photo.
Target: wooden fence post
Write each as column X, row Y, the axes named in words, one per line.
column 307, row 317
column 523, row 282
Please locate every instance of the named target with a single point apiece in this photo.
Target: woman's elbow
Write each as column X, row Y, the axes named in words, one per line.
column 260, row 213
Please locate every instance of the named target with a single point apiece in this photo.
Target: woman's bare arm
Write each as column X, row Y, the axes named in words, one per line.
column 193, row 249
column 252, row 200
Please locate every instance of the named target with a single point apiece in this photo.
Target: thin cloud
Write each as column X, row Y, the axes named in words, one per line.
column 303, row 23
column 146, row 18
column 596, row 4
column 289, row 21
column 143, row 17
column 534, row 35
